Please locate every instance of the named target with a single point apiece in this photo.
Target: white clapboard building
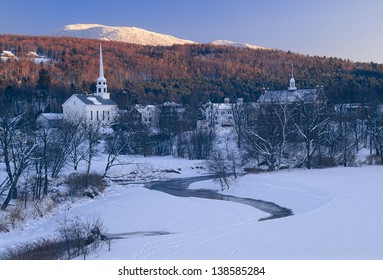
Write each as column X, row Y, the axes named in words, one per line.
column 97, row 107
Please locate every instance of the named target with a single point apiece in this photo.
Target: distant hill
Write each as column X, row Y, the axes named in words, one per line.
column 132, row 35
column 187, row 73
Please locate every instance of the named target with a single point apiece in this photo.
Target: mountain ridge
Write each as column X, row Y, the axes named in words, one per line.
column 133, row 35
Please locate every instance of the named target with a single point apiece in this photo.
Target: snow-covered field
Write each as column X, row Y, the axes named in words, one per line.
column 337, row 215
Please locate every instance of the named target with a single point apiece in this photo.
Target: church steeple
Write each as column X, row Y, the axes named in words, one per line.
column 292, row 86
column 102, row 88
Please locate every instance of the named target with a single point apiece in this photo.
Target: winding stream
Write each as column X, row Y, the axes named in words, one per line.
column 179, row 187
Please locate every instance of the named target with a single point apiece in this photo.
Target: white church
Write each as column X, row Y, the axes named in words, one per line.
column 97, row 107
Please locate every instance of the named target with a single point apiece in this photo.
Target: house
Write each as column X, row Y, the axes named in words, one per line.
column 6, row 55
column 49, row 120
column 218, row 114
column 226, row 114
column 97, row 107
column 147, row 115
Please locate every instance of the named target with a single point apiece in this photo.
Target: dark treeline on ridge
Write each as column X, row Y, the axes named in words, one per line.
column 180, row 73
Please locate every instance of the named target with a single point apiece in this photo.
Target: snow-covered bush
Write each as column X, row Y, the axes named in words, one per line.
column 81, row 235
column 49, row 248
column 374, row 160
column 22, row 210
column 75, row 237
column 81, row 184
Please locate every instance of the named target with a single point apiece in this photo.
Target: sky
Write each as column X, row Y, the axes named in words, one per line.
column 348, row 29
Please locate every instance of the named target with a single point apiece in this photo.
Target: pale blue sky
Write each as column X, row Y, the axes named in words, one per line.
column 341, row 28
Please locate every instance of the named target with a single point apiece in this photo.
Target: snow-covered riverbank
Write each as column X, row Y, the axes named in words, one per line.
column 337, row 215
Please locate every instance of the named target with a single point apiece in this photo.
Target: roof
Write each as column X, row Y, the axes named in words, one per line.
column 51, row 116
column 219, row 106
column 7, row 54
column 92, row 99
column 141, row 108
column 289, row 96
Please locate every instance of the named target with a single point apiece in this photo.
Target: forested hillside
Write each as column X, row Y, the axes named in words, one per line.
column 180, row 73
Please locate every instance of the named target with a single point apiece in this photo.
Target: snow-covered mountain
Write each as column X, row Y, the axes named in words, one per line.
column 123, row 34
column 235, row 44
column 133, row 35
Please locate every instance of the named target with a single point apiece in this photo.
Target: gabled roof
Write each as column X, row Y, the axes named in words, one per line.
column 289, row 96
column 51, row 116
column 92, row 99
column 142, row 108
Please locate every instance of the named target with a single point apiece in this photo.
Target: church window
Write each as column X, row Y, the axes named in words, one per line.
column 91, row 115
column 103, row 115
column 97, row 115
column 99, row 89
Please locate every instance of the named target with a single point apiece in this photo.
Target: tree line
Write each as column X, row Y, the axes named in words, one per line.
column 179, row 73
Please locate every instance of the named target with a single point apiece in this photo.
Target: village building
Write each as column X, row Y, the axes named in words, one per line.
column 147, row 115
column 292, row 95
column 218, row 114
column 7, row 55
column 48, row 120
column 228, row 114
column 97, row 107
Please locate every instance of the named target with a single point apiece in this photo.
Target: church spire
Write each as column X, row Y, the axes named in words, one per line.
column 292, row 86
column 102, row 88
column 101, row 64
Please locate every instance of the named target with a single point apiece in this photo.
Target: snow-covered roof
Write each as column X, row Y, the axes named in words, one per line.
column 288, row 96
column 173, row 104
column 142, row 108
column 94, row 100
column 8, row 54
column 222, row 106
column 52, row 116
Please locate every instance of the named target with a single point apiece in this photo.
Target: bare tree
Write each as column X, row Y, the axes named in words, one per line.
column 375, row 124
column 16, row 147
column 218, row 164
column 92, row 136
column 64, row 139
column 196, row 144
column 266, row 140
column 224, row 162
column 312, row 128
column 41, row 160
column 116, row 146
column 77, row 146
column 244, row 115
